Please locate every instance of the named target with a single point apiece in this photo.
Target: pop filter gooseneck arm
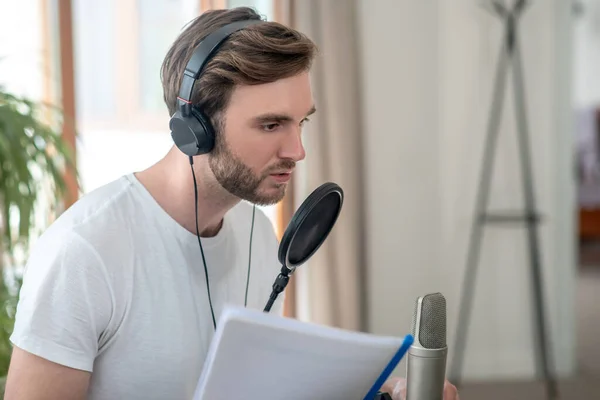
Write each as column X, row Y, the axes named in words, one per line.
column 308, row 229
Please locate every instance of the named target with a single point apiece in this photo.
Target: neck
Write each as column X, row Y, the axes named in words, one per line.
column 171, row 183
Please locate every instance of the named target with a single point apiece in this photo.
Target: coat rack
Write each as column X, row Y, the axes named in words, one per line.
column 509, row 56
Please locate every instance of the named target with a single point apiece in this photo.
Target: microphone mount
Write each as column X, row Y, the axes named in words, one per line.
column 278, row 286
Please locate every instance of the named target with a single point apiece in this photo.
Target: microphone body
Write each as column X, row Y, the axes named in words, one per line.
column 425, row 373
column 426, row 363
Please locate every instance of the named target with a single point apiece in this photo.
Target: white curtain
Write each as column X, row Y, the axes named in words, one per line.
column 331, row 285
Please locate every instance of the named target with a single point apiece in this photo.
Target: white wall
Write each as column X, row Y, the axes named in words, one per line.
column 587, row 55
column 586, row 99
column 427, row 78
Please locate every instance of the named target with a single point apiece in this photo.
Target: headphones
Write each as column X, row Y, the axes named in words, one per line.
column 191, row 129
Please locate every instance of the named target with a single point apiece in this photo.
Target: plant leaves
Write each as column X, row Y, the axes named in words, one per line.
column 27, row 145
column 33, row 162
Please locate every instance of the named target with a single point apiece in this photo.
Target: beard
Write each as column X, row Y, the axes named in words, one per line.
column 239, row 179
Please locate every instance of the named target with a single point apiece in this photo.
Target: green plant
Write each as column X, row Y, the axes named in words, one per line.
column 33, row 160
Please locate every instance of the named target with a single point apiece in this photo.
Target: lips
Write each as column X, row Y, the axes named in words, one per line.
column 281, row 177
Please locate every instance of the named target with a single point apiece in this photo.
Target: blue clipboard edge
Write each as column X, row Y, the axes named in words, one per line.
column 387, row 371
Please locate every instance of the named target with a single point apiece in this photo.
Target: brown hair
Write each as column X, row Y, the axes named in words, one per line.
column 260, row 53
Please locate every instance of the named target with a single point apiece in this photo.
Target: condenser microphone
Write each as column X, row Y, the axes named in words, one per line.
column 426, row 364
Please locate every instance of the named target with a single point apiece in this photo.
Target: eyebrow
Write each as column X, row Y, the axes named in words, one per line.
column 280, row 117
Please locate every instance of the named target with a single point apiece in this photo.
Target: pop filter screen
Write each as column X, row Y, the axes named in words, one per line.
column 314, row 229
column 310, row 225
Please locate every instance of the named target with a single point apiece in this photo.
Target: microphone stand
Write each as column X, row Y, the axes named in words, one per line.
column 509, row 54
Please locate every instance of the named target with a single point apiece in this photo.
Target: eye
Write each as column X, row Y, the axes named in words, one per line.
column 270, row 127
column 305, row 120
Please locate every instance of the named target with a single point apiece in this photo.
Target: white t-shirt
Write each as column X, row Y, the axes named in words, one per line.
column 116, row 287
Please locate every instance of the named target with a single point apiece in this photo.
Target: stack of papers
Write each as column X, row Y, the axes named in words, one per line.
column 260, row 356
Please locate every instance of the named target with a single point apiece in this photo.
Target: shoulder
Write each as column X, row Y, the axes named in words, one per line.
column 97, row 214
column 76, row 244
column 97, row 205
column 69, row 244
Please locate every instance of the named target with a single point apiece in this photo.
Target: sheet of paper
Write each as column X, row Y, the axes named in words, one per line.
column 256, row 355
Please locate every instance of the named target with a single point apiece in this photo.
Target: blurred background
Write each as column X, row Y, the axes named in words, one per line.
column 404, row 94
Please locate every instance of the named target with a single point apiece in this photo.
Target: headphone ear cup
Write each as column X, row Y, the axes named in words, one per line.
column 182, row 133
column 205, row 134
column 190, row 134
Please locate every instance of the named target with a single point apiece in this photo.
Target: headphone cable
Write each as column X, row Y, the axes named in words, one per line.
column 249, row 256
column 200, row 242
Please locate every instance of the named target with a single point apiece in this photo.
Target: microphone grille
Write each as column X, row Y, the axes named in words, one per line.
column 429, row 321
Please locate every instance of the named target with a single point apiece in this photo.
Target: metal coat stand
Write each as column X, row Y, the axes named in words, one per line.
column 509, row 55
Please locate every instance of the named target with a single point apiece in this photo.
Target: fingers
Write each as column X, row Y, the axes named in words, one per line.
column 399, row 392
column 450, row 391
column 396, row 387
column 388, row 385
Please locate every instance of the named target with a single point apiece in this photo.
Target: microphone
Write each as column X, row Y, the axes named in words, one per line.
column 426, row 364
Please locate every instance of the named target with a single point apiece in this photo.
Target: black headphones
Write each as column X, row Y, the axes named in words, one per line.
column 193, row 133
column 191, row 130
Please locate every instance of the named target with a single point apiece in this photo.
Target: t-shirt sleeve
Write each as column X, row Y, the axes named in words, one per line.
column 65, row 302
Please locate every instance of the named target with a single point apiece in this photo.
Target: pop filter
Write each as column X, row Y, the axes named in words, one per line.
column 306, row 232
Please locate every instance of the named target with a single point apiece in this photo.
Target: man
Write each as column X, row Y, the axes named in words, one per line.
column 122, row 293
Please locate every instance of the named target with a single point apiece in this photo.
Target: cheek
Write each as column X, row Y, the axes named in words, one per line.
column 260, row 157
column 255, row 157
column 258, row 151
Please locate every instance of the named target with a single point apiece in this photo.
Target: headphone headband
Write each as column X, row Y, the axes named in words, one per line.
column 202, row 54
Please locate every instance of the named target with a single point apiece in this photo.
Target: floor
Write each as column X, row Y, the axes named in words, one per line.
column 586, row 385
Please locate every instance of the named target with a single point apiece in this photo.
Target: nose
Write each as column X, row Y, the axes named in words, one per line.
column 292, row 147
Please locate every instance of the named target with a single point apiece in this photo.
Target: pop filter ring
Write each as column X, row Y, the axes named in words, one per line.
column 300, row 216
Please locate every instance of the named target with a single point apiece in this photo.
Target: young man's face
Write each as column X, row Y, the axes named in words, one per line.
column 256, row 152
